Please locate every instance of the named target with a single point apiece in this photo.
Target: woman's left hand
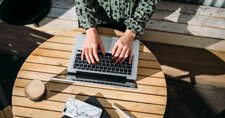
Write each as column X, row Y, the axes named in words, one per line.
column 123, row 47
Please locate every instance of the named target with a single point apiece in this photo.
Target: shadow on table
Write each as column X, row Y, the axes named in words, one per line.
column 57, row 85
column 16, row 43
column 186, row 100
column 192, row 64
column 20, row 40
column 220, row 115
column 125, row 110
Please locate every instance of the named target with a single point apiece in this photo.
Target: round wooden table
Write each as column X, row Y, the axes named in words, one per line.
column 51, row 58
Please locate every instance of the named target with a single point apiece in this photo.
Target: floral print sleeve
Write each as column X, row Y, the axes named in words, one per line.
column 143, row 12
column 133, row 13
column 85, row 13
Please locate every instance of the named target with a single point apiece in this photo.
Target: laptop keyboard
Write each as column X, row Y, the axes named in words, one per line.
column 106, row 64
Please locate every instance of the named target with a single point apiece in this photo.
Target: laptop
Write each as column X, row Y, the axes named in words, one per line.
column 106, row 72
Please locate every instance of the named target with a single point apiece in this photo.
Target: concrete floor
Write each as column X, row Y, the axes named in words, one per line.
column 184, row 99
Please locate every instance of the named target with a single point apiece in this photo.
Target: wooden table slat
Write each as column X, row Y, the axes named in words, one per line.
column 64, row 62
column 69, row 47
column 60, row 98
column 38, row 113
column 144, row 89
column 66, row 55
column 58, row 69
column 46, row 77
column 75, row 89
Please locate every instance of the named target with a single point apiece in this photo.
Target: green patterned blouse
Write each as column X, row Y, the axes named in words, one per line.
column 133, row 13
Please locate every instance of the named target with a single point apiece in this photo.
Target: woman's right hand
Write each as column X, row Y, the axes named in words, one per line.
column 90, row 48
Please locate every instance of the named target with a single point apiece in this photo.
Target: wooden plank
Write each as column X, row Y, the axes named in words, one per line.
column 66, row 55
column 218, row 46
column 113, row 94
column 57, row 104
column 186, row 29
column 147, row 89
column 213, row 45
column 18, row 117
column 38, row 113
column 2, row 115
column 205, row 78
column 46, row 76
column 51, row 53
column 65, row 39
column 192, row 55
column 141, row 88
column 191, row 9
column 219, row 54
column 67, row 14
column 64, row 62
column 101, row 30
column 57, row 25
column 8, row 112
column 35, row 113
column 67, row 47
column 177, row 17
column 177, row 39
column 58, row 69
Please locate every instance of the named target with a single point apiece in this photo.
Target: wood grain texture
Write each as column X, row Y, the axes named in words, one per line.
column 106, row 102
column 51, row 58
column 2, row 115
column 40, row 113
column 154, row 81
column 8, row 112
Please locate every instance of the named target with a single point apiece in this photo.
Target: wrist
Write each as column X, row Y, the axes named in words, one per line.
column 91, row 30
column 130, row 34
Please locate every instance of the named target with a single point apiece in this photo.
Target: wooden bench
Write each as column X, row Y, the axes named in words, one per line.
column 184, row 28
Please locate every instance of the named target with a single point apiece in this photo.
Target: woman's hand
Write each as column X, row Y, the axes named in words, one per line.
column 123, row 47
column 90, row 48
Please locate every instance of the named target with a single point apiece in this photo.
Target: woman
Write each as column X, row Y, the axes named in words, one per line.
column 128, row 15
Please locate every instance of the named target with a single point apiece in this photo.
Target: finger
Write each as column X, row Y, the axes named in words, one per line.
column 90, row 52
column 82, row 54
column 114, row 49
column 102, row 47
column 117, row 53
column 125, row 57
column 95, row 51
column 87, row 57
column 130, row 56
column 122, row 54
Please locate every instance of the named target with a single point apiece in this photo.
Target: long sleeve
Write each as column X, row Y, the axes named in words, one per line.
column 85, row 13
column 143, row 12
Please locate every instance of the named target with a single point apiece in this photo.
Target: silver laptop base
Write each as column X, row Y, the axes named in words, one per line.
column 90, row 79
